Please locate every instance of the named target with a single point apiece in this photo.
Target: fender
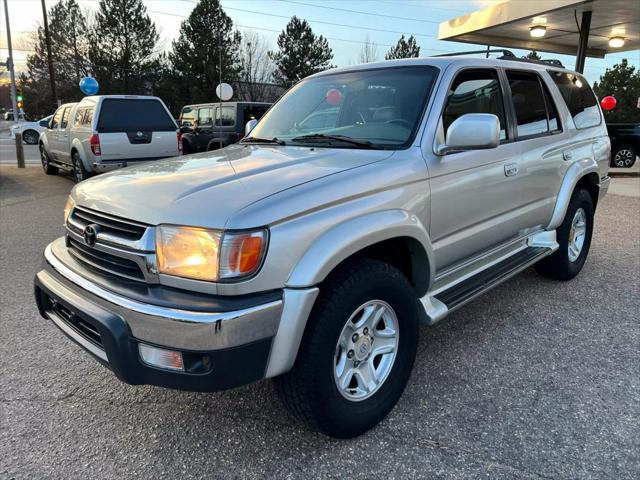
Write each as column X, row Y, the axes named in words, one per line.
column 353, row 235
column 77, row 146
column 574, row 173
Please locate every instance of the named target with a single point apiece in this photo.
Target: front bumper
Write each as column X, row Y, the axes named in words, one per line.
column 221, row 350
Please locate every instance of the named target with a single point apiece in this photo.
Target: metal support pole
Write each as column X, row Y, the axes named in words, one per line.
column 47, row 39
column 585, row 26
column 14, row 101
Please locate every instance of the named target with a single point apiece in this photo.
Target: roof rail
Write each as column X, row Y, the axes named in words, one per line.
column 506, row 55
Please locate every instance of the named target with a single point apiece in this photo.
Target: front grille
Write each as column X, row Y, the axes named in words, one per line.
column 121, row 247
column 83, row 328
column 105, row 262
column 125, row 229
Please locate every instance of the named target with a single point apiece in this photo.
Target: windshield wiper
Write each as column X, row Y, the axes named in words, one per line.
column 314, row 137
column 273, row 140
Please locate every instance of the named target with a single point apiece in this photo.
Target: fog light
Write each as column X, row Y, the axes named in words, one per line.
column 159, row 357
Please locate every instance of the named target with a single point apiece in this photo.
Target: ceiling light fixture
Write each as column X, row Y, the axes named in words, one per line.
column 537, row 31
column 616, row 42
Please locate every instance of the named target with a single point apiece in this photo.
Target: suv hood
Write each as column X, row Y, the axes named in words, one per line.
column 206, row 189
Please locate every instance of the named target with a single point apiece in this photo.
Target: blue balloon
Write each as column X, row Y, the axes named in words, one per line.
column 89, row 86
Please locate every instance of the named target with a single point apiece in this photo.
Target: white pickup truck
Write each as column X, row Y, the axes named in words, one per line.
column 105, row 132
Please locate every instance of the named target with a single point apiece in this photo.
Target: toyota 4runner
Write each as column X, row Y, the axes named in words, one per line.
column 311, row 257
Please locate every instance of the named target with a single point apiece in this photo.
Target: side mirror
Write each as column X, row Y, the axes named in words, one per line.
column 45, row 123
column 185, row 129
column 250, row 125
column 472, row 131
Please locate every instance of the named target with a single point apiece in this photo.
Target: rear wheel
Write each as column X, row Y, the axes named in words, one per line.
column 623, row 157
column 46, row 163
column 357, row 352
column 574, row 238
column 30, row 137
column 79, row 172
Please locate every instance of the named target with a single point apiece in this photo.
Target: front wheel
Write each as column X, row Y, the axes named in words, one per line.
column 574, row 238
column 623, row 157
column 79, row 172
column 357, row 352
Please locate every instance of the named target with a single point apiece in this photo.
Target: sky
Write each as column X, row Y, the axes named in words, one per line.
column 381, row 21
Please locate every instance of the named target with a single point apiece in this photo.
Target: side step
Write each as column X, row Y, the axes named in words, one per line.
column 437, row 306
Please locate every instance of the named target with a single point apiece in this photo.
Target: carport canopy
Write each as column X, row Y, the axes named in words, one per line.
column 573, row 27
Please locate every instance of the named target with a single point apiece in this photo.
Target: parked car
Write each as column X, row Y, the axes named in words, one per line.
column 200, row 132
column 105, row 132
column 312, row 257
column 31, row 130
column 625, row 143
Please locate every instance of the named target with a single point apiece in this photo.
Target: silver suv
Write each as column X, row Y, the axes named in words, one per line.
column 312, row 257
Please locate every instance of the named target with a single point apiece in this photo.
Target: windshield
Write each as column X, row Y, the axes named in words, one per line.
column 381, row 108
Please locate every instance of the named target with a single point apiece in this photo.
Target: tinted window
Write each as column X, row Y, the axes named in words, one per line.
column 187, row 117
column 228, row 116
column 528, row 100
column 65, row 117
column 552, row 111
column 580, row 99
column 126, row 115
column 204, row 117
column 475, row 91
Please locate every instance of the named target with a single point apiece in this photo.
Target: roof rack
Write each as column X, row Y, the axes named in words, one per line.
column 506, row 55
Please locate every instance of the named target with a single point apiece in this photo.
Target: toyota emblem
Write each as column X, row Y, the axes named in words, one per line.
column 139, row 134
column 90, row 234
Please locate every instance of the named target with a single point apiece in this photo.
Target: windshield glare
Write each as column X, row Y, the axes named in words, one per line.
column 381, row 106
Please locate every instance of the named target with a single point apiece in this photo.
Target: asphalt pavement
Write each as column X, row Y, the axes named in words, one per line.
column 536, row 379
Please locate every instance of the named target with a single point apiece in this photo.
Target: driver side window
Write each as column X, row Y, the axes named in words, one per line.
column 56, row 118
column 475, row 91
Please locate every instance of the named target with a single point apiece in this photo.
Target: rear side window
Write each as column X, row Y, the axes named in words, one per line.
column 77, row 121
column 475, row 91
column 88, row 117
column 528, row 101
column 580, row 99
column 127, row 115
column 204, row 117
column 228, row 117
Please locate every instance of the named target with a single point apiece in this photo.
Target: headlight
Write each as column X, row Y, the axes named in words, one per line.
column 210, row 255
column 67, row 209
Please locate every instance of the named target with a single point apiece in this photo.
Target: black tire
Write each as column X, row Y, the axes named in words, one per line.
column 309, row 390
column 79, row 172
column 623, row 156
column 215, row 145
column 559, row 265
column 46, row 163
column 30, row 137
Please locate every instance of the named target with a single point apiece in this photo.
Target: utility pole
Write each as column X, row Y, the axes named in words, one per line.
column 47, row 39
column 220, row 81
column 14, row 101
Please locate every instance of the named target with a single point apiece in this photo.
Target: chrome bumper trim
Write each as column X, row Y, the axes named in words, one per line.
column 182, row 329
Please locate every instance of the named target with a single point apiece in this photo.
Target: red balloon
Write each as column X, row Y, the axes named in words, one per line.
column 608, row 102
column 334, row 96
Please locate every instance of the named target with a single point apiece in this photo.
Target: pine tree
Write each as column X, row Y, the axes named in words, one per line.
column 532, row 55
column 69, row 48
column 122, row 47
column 300, row 53
column 196, row 53
column 404, row 49
column 623, row 82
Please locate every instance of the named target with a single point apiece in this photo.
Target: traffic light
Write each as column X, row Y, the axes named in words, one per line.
column 19, row 99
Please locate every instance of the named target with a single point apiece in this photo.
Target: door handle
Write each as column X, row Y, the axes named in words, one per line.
column 511, row 169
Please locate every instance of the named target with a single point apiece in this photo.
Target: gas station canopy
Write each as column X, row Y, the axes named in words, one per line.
column 576, row 27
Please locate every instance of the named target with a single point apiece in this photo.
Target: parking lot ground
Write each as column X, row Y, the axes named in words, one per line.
column 536, row 379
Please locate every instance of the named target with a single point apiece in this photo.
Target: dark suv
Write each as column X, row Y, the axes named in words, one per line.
column 209, row 126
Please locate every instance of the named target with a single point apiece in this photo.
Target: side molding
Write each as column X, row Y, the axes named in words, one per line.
column 353, row 235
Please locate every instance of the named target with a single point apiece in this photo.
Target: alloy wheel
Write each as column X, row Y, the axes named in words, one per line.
column 577, row 234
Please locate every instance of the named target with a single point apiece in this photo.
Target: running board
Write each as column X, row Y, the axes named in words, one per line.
column 442, row 301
